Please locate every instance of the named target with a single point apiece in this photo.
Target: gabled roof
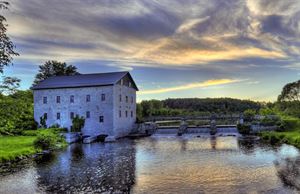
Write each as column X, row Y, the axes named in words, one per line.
column 82, row 80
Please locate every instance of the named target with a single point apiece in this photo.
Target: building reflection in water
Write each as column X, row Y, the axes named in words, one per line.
column 89, row 168
column 168, row 164
column 288, row 171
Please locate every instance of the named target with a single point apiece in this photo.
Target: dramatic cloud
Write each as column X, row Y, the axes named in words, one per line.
column 190, row 86
column 215, row 38
column 155, row 32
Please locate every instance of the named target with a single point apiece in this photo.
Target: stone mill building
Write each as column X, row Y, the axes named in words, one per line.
column 107, row 101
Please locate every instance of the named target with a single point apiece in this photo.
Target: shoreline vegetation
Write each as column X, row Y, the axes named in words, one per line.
column 30, row 142
column 290, row 136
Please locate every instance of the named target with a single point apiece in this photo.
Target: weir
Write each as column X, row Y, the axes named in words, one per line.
column 197, row 130
column 191, row 125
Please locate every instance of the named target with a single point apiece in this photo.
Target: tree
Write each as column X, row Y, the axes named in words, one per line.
column 249, row 115
column 77, row 123
column 54, row 68
column 289, row 99
column 6, row 45
column 9, row 85
column 290, row 92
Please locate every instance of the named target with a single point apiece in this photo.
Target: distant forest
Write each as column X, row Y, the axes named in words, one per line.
column 195, row 106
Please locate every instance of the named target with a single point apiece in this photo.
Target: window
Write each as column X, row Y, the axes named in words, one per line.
column 102, row 97
column 120, row 113
column 72, row 99
column 88, row 114
column 121, row 81
column 126, row 99
column 57, row 99
column 44, row 100
column 126, row 113
column 130, row 84
column 58, row 116
column 88, row 98
column 72, row 115
column 131, row 113
column 131, row 99
column 101, row 119
column 45, row 116
column 120, row 98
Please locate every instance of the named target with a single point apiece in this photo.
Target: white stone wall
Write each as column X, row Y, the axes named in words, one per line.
column 124, row 125
column 80, row 106
column 113, row 125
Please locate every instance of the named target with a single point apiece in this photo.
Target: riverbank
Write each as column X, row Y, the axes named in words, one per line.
column 287, row 137
column 30, row 142
column 289, row 132
column 16, row 147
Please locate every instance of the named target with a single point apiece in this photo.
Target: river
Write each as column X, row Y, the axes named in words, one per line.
column 161, row 164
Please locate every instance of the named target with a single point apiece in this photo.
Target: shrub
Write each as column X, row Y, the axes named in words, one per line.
column 43, row 120
column 290, row 123
column 16, row 113
column 249, row 115
column 55, row 126
column 45, row 141
column 244, row 129
column 270, row 120
column 49, row 139
column 30, row 132
column 77, row 123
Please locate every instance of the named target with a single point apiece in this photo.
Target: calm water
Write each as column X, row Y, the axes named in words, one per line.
column 162, row 164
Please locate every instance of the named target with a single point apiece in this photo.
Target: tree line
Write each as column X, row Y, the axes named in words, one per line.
column 194, row 106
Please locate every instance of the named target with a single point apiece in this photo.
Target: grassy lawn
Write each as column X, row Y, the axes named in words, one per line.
column 12, row 147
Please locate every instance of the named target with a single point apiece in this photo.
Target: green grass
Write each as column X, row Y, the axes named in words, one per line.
column 291, row 135
column 13, row 147
column 288, row 137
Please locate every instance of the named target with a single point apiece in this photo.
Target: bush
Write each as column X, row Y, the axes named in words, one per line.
column 77, row 123
column 30, row 132
column 249, row 115
column 43, row 120
column 16, row 113
column 54, row 126
column 244, row 129
column 39, row 131
column 270, row 120
column 49, row 139
column 45, row 141
column 290, row 123
column 274, row 139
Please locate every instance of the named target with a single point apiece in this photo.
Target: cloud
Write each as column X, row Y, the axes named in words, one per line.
column 155, row 33
column 207, row 83
column 294, row 66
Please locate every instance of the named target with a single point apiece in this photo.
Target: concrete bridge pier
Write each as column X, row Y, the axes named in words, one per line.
column 182, row 128
column 213, row 127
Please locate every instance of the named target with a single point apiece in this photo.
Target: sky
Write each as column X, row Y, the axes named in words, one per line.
column 246, row 49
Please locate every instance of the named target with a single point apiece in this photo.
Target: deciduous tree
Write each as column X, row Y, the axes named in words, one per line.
column 290, row 92
column 7, row 48
column 54, row 68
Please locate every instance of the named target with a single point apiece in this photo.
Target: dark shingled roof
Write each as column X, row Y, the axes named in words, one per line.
column 82, row 80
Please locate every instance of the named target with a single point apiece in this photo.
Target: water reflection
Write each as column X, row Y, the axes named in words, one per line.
column 289, row 171
column 162, row 164
column 89, row 168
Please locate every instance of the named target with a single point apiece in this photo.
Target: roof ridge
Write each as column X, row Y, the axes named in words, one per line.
column 113, row 72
